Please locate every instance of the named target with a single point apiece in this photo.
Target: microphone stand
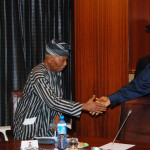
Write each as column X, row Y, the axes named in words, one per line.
column 129, row 113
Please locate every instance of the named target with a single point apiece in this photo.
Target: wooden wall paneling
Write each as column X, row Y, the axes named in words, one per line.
column 139, row 37
column 100, row 55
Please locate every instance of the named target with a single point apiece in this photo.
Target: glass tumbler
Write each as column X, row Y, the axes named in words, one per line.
column 73, row 143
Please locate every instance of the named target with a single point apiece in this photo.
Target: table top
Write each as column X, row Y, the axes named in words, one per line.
column 93, row 142
column 97, row 142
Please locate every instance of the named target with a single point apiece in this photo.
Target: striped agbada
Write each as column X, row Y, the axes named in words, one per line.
column 40, row 103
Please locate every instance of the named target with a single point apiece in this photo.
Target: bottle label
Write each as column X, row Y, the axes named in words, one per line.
column 62, row 129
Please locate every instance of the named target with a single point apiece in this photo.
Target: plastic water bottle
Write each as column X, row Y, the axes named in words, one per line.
column 61, row 134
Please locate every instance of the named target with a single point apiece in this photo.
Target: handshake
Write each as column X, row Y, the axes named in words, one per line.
column 96, row 106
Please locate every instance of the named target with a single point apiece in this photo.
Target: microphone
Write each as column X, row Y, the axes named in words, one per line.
column 129, row 113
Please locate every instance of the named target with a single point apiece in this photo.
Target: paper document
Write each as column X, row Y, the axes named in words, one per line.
column 117, row 146
column 29, row 121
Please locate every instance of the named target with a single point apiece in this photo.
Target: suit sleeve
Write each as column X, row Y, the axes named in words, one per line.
column 138, row 87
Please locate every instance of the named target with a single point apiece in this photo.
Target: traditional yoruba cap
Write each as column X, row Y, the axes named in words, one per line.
column 57, row 48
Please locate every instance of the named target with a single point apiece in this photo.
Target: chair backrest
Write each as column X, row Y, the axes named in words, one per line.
column 15, row 97
column 137, row 127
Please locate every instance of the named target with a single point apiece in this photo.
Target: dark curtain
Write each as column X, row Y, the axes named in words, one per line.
column 25, row 28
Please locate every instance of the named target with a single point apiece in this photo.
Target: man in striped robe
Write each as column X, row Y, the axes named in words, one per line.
column 42, row 100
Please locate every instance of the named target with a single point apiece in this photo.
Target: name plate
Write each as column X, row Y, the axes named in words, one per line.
column 29, row 145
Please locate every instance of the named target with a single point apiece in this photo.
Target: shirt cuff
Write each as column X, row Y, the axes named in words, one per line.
column 114, row 99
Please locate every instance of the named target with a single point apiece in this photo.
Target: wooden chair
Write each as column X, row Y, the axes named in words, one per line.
column 2, row 139
column 137, row 127
column 15, row 97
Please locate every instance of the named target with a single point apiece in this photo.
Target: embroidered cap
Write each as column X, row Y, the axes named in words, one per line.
column 57, row 48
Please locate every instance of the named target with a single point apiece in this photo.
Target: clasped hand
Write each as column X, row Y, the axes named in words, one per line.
column 97, row 106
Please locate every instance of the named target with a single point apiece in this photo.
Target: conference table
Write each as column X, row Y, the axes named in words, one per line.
column 93, row 142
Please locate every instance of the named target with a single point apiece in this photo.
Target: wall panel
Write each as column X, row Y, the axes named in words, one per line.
column 139, row 37
column 100, row 55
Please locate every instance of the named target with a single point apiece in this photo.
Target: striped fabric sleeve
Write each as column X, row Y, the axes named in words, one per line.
column 44, row 91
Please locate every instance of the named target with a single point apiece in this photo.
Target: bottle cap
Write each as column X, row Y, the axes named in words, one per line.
column 61, row 117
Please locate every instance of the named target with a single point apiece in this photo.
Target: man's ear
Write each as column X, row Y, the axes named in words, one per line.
column 48, row 58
